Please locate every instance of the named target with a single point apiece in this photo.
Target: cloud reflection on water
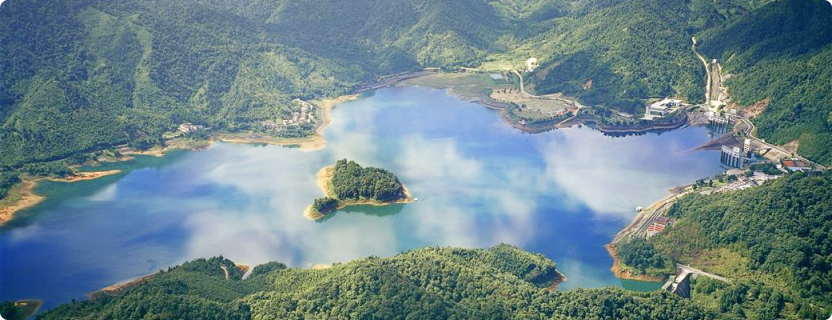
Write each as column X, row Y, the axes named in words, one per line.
column 479, row 183
column 612, row 176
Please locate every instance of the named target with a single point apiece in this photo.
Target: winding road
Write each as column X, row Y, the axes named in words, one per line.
column 749, row 132
column 575, row 102
column 707, row 70
column 689, row 269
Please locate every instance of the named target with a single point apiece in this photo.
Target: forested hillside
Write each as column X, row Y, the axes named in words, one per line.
column 617, row 53
column 773, row 241
column 620, row 53
column 80, row 75
column 432, row 283
column 351, row 181
column 782, row 54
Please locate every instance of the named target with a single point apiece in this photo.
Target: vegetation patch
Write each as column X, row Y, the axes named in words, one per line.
column 347, row 183
column 772, row 241
column 503, row 282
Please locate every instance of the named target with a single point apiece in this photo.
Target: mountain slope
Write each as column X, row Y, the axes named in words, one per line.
column 773, row 241
column 498, row 283
column 782, row 54
column 81, row 75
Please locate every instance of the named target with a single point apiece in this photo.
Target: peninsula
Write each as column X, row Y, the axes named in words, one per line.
column 348, row 184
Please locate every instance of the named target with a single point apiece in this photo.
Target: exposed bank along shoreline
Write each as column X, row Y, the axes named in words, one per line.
column 27, row 198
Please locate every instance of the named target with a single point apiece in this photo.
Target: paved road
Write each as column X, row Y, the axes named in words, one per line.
column 248, row 272
column 750, row 134
column 225, row 270
column 750, row 131
column 707, row 70
column 690, row 269
column 522, row 85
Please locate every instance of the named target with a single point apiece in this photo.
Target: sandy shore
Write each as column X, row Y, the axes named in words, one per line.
column 313, row 143
column 120, row 286
column 154, row 152
column 325, row 176
column 327, row 106
column 28, row 198
column 84, row 176
column 316, row 142
column 171, row 145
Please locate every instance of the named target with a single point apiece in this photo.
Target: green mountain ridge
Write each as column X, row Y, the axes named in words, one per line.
column 82, row 75
column 772, row 241
column 782, row 53
column 430, row 283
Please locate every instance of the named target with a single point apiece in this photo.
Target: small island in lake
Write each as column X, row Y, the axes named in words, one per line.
column 348, row 184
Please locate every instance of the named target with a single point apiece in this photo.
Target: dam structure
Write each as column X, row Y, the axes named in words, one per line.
column 736, row 157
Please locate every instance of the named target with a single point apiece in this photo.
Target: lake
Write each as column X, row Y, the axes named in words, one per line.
column 563, row 193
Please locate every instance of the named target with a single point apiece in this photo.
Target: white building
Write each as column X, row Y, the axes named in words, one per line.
column 662, row 108
column 531, row 64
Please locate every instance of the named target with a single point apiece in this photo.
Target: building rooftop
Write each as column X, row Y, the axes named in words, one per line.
column 795, row 164
column 664, row 104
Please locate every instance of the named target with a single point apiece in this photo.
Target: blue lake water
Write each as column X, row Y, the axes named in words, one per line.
column 564, row 193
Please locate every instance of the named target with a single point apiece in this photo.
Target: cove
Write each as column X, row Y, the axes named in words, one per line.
column 563, row 193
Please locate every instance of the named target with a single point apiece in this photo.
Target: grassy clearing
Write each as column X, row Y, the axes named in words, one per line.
column 465, row 85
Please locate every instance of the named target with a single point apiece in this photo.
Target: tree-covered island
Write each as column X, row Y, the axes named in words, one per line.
column 347, row 184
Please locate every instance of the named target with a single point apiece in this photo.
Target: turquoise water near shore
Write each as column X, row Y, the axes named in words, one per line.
column 563, row 193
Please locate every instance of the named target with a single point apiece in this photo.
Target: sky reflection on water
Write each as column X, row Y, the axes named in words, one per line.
column 479, row 182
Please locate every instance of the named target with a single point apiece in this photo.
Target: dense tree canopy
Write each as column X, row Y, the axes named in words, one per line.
column 641, row 255
column 431, row 283
column 781, row 55
column 775, row 238
column 351, row 181
column 7, row 180
column 81, row 75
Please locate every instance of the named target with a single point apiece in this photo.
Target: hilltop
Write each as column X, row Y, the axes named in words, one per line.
column 431, row 283
column 771, row 241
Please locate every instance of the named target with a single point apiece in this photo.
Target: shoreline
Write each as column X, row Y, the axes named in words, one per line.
column 28, row 307
column 645, row 213
column 119, row 286
column 29, row 199
column 557, row 281
column 85, row 176
column 659, row 127
column 620, row 273
column 311, row 143
column 325, row 176
column 635, row 224
column 576, row 119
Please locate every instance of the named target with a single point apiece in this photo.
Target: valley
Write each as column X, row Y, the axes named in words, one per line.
column 140, row 138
